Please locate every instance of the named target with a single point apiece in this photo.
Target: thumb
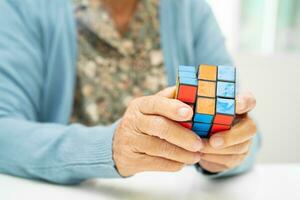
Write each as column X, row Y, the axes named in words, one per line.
column 245, row 103
column 167, row 92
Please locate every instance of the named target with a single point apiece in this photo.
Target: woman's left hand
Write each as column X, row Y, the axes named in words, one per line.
column 226, row 150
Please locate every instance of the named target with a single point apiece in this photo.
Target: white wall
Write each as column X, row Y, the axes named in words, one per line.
column 229, row 20
column 273, row 78
column 275, row 81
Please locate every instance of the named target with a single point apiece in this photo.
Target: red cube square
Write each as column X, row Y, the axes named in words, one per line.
column 187, row 93
column 187, row 125
column 218, row 128
column 223, row 119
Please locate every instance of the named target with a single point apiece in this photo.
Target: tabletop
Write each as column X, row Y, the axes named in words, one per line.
column 263, row 182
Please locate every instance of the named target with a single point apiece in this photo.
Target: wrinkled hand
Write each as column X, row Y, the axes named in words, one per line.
column 149, row 139
column 226, row 150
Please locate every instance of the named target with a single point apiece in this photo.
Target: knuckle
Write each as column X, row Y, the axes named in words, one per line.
column 237, row 148
column 231, row 159
column 168, row 150
column 153, row 101
column 240, row 148
column 252, row 127
column 141, row 122
column 149, row 102
column 161, row 123
column 134, row 103
column 164, row 147
column 130, row 120
column 245, row 147
column 236, row 160
column 126, row 122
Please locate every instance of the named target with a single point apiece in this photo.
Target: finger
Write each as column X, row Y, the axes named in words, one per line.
column 167, row 92
column 235, row 149
column 154, row 146
column 170, row 131
column 245, row 103
column 241, row 132
column 151, row 163
column 212, row 167
column 169, row 108
column 229, row 161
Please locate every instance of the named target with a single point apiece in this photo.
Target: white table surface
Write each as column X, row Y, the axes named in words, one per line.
column 264, row 182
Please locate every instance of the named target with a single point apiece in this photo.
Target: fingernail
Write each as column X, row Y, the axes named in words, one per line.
column 198, row 145
column 217, row 141
column 184, row 112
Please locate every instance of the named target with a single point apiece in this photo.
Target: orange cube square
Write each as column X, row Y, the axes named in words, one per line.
column 206, row 88
column 207, row 72
column 206, row 106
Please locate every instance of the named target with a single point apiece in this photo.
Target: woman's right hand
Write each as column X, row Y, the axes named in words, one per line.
column 148, row 137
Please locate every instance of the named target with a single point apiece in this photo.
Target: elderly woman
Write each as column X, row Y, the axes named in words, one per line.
column 84, row 90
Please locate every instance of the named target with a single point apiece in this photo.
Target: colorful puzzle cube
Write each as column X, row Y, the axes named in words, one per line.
column 210, row 90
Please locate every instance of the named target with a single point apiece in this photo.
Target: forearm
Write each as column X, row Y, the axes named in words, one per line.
column 56, row 153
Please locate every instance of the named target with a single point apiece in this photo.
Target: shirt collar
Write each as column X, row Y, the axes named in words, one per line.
column 93, row 16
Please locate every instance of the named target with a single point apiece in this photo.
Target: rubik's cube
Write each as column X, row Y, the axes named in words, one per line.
column 210, row 91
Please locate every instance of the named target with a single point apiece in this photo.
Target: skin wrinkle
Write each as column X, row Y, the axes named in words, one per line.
column 162, row 152
column 154, row 116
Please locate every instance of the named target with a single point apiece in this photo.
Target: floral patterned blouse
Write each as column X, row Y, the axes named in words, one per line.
column 112, row 68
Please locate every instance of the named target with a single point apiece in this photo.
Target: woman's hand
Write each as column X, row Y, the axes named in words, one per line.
column 149, row 139
column 226, row 150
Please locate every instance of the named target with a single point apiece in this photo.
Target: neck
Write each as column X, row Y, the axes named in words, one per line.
column 121, row 11
column 120, row 6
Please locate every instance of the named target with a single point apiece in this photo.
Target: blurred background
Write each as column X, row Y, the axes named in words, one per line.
column 264, row 39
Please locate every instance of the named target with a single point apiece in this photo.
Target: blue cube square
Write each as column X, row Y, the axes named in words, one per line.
column 187, row 74
column 225, row 89
column 201, row 127
column 226, row 106
column 191, row 69
column 202, row 134
column 188, row 81
column 203, row 118
column 226, row 73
